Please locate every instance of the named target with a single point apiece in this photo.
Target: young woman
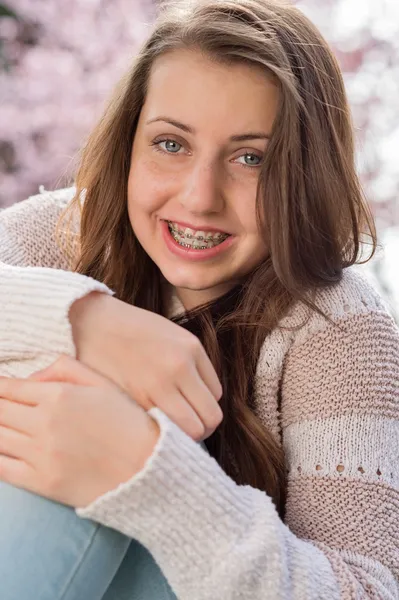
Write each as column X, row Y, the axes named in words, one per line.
column 223, row 419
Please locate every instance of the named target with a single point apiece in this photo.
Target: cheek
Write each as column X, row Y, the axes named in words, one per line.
column 146, row 190
column 255, row 238
column 245, row 209
column 258, row 238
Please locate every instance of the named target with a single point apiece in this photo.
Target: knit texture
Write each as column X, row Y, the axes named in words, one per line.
column 338, row 422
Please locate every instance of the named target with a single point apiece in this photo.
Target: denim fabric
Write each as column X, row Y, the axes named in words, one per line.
column 48, row 553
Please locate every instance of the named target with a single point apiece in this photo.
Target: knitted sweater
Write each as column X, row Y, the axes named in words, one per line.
column 337, row 422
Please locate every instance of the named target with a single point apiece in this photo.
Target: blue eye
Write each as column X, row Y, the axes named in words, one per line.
column 172, row 147
column 255, row 160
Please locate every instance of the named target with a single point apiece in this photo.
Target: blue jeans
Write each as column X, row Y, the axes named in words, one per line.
column 48, row 553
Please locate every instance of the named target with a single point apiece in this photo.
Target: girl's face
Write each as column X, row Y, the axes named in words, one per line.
column 200, row 138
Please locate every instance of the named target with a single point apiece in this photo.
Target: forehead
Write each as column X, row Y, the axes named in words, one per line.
column 191, row 87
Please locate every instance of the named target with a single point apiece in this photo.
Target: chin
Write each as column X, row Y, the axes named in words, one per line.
column 189, row 284
column 203, row 290
column 189, row 281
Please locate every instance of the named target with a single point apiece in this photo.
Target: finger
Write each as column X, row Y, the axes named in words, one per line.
column 13, row 443
column 202, row 401
column 208, row 374
column 176, row 407
column 12, row 388
column 17, row 416
column 70, row 370
column 29, row 393
column 17, row 472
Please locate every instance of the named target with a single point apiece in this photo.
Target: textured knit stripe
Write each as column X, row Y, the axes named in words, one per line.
column 365, row 579
column 368, row 516
column 340, row 446
column 27, row 231
column 333, row 357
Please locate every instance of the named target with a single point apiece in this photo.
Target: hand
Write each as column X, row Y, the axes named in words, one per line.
column 157, row 362
column 71, row 441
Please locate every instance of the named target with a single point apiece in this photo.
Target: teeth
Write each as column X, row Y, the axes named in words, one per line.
column 189, row 233
column 195, row 241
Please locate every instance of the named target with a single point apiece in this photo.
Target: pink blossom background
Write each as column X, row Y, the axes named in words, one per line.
column 63, row 61
column 60, row 60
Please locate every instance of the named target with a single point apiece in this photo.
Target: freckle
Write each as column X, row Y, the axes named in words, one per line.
column 340, row 468
column 361, row 469
column 318, row 468
column 299, row 470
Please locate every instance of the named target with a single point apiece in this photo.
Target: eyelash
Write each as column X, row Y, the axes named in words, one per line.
column 157, row 142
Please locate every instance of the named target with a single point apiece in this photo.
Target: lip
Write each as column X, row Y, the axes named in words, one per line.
column 191, row 254
column 197, row 227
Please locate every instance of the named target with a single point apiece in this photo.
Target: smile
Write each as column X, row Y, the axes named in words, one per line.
column 198, row 240
column 187, row 244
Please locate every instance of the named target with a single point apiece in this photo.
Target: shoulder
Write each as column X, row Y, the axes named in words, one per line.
column 360, row 334
column 354, row 294
column 27, row 230
column 352, row 300
column 38, row 210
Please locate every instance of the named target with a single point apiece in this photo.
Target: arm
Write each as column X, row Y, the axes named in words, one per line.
column 48, row 310
column 36, row 290
column 212, row 538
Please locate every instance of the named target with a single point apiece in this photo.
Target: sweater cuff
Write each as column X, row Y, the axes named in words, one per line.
column 36, row 303
column 180, row 500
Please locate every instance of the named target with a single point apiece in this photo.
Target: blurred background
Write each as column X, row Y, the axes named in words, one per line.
column 60, row 60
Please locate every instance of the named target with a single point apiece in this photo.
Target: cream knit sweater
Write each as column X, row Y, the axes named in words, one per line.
column 338, row 425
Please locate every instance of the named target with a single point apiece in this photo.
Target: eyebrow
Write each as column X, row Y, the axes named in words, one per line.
column 253, row 135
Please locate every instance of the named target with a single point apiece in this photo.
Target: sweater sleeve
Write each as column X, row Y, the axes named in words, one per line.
column 215, row 539
column 36, row 288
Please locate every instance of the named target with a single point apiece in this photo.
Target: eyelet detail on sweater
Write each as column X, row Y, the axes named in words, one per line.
column 340, row 469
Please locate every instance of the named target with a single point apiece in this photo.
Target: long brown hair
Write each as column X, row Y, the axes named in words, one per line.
column 310, row 207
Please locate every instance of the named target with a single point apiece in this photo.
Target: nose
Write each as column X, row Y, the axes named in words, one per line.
column 201, row 191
